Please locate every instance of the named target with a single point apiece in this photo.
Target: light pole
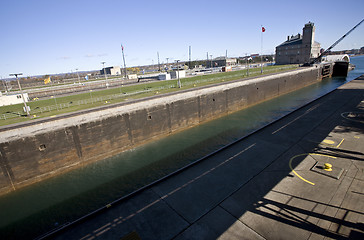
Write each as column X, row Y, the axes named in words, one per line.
column 122, row 51
column 21, row 91
column 179, row 82
column 211, row 62
column 78, row 76
column 159, row 66
column 207, row 59
column 167, row 65
column 261, row 50
column 103, row 66
column 5, row 86
column 247, row 66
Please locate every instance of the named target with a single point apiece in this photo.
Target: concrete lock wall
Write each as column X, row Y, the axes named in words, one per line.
column 31, row 153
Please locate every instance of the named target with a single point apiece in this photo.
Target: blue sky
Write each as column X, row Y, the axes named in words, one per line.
column 48, row 36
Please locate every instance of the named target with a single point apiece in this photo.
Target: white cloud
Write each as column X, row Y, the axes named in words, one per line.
column 64, row 57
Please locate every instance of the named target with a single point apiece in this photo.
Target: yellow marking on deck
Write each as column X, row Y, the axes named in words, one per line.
column 290, row 166
column 328, row 141
column 340, row 143
column 305, row 154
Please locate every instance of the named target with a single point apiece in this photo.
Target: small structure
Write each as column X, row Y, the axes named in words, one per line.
column 174, row 74
column 12, row 99
column 226, row 69
column 222, row 62
column 164, row 76
column 113, row 71
column 132, row 76
column 299, row 49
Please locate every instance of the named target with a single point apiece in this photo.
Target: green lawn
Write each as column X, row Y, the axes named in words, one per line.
column 50, row 107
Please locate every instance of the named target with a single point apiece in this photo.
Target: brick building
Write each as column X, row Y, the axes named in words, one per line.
column 300, row 48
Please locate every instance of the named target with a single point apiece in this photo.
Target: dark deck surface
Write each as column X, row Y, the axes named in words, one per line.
column 271, row 185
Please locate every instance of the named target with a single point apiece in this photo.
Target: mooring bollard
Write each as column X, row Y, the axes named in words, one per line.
column 328, row 167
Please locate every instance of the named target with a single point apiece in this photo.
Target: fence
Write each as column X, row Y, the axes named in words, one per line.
column 60, row 106
column 93, row 100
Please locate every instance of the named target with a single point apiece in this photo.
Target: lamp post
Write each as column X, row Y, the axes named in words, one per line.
column 246, row 63
column 179, row 82
column 78, row 76
column 261, row 50
column 5, row 86
column 122, row 51
column 159, row 66
column 21, row 91
column 103, row 66
column 211, row 63
column 207, row 59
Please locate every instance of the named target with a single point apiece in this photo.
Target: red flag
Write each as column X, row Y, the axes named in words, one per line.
column 122, row 48
column 263, row 29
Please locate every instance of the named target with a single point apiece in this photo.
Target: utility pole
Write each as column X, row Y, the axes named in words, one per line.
column 103, row 66
column 159, row 66
column 211, row 62
column 21, row 91
column 247, row 66
column 189, row 53
column 122, row 51
column 179, row 82
column 5, row 86
column 207, row 59
column 78, row 76
column 261, row 50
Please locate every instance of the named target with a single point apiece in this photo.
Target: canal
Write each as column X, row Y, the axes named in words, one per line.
column 41, row 207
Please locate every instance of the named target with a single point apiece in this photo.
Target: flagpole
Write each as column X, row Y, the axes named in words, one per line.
column 261, row 50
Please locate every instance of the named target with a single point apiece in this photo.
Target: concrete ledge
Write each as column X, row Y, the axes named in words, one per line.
column 33, row 152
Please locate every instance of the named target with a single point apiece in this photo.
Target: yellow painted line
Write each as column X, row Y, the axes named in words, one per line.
column 340, row 143
column 303, row 154
column 328, row 141
column 290, row 166
column 303, row 178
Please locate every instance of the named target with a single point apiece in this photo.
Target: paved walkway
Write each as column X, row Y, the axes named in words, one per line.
column 271, row 185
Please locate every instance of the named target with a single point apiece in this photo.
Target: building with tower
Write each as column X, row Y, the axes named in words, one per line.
column 300, row 48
